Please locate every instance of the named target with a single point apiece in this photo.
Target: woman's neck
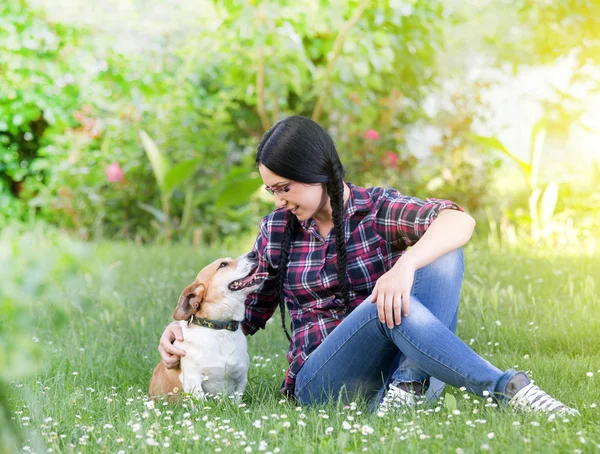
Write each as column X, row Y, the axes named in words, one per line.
column 325, row 215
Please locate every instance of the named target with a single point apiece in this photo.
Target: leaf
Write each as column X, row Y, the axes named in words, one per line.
column 159, row 215
column 538, row 136
column 238, row 192
column 342, row 440
column 159, row 162
column 450, row 402
column 549, row 200
column 494, row 143
column 361, row 69
column 180, row 173
column 533, row 202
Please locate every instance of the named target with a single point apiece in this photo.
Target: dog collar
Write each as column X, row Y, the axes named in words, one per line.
column 231, row 325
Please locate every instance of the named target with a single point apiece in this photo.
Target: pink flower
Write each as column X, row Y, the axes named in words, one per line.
column 371, row 134
column 390, row 159
column 113, row 172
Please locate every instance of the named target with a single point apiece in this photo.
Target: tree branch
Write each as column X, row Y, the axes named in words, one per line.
column 337, row 48
column 260, row 89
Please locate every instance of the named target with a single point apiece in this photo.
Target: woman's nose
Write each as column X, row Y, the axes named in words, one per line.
column 279, row 201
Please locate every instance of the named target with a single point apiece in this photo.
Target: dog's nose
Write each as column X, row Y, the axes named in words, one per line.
column 253, row 255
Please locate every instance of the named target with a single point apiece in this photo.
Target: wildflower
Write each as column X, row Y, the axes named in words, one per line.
column 491, row 435
column 390, row 159
column 113, row 173
column 367, row 430
column 371, row 134
column 590, row 374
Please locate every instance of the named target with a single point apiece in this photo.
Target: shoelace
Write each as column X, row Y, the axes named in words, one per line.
column 533, row 398
column 397, row 398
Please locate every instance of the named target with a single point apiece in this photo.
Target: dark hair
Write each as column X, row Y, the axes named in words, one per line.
column 299, row 149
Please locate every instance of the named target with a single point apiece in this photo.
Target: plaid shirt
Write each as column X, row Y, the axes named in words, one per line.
column 379, row 225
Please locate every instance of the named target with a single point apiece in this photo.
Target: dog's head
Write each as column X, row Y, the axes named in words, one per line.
column 219, row 286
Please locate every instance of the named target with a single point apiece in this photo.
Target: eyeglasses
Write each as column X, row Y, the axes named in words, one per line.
column 278, row 191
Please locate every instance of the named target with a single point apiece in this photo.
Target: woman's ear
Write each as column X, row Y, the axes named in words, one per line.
column 189, row 301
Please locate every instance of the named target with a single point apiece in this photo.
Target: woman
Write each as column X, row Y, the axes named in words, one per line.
column 368, row 314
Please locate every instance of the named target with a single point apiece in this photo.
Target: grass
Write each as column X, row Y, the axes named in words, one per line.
column 528, row 309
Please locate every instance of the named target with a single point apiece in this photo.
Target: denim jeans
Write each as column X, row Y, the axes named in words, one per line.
column 362, row 354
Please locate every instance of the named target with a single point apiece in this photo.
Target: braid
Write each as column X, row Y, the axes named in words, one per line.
column 335, row 189
column 282, row 268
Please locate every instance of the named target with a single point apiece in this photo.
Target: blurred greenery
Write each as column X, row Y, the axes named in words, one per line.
column 154, row 142
column 46, row 281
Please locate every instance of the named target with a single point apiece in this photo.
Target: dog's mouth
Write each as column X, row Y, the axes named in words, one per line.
column 250, row 280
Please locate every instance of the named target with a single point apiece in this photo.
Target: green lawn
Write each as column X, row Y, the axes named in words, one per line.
column 524, row 309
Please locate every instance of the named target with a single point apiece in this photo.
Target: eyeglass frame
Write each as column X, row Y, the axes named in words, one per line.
column 278, row 191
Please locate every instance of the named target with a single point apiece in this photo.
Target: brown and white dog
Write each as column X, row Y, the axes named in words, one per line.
column 209, row 312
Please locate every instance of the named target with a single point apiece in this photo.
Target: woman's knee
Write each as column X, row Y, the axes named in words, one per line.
column 450, row 266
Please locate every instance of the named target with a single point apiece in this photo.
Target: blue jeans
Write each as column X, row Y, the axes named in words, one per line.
column 362, row 354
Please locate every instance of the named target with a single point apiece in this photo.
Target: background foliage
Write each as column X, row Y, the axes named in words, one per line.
column 74, row 104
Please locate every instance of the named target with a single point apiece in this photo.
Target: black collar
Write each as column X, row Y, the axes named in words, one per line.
column 230, row 325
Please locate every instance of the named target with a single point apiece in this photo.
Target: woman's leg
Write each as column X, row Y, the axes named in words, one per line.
column 358, row 354
column 438, row 287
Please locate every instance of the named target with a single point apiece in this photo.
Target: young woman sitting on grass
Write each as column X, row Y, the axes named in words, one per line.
column 369, row 316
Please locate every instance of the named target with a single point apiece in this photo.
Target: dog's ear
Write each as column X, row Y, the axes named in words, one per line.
column 189, row 301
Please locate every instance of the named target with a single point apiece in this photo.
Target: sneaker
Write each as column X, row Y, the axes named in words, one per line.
column 401, row 395
column 528, row 397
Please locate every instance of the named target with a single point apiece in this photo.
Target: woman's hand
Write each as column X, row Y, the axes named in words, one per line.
column 169, row 354
column 392, row 292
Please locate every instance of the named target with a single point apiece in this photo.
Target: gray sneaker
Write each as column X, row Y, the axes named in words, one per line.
column 399, row 396
column 526, row 396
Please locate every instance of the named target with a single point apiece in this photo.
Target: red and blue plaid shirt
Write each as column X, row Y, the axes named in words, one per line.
column 379, row 225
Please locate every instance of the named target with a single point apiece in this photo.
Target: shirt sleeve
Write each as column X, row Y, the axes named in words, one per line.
column 402, row 220
column 261, row 304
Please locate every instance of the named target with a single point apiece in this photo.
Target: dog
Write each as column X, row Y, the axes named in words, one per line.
column 209, row 312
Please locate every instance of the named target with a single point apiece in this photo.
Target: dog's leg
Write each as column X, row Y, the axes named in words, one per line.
column 240, row 386
column 194, row 387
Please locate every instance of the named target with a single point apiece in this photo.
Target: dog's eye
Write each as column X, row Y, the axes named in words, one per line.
column 223, row 264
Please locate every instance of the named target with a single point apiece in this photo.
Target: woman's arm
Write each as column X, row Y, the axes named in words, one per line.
column 449, row 231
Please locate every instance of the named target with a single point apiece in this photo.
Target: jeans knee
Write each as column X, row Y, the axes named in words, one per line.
column 450, row 266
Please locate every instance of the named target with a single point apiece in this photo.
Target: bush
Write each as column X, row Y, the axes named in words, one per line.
column 361, row 72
